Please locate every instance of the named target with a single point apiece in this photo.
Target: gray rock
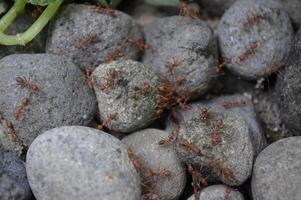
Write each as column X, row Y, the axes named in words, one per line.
column 37, row 45
column 7, row 143
column 216, row 144
column 159, row 159
column 13, row 179
column 191, row 43
column 217, row 7
column 128, row 90
column 289, row 90
column 219, row 192
column 77, row 162
column 243, row 106
column 63, row 97
column 277, row 171
column 292, row 7
column 99, row 34
column 256, row 36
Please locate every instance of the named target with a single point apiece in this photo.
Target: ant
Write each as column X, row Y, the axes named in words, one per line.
column 248, row 51
column 150, row 196
column 224, row 171
column 150, row 173
column 191, row 10
column 252, row 19
column 135, row 160
column 111, row 56
column 172, row 65
column 88, row 77
column 227, row 193
column 24, row 83
column 138, row 43
column 18, row 112
column 220, row 70
column 232, row 104
column 204, row 114
column 216, row 132
column 110, row 77
column 37, row 11
column 107, row 121
column 86, row 41
column 105, row 10
column 197, row 179
column 188, row 146
column 276, row 68
column 11, row 131
column 140, row 90
column 174, row 134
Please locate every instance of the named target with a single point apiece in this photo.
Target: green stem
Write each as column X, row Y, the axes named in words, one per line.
column 34, row 29
column 11, row 15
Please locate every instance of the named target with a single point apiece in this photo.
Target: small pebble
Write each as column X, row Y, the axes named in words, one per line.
column 90, row 37
column 183, row 50
column 75, row 163
column 277, row 171
column 256, row 36
column 127, row 93
column 170, row 180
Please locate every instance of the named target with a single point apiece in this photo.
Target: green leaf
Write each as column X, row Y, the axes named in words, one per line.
column 41, row 2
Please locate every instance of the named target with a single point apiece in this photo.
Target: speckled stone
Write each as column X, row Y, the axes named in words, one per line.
column 277, row 171
column 77, row 22
column 64, row 97
column 271, row 35
column 145, row 145
column 289, row 90
column 133, row 109
column 189, row 41
column 13, row 179
column 75, row 163
column 219, row 192
column 235, row 144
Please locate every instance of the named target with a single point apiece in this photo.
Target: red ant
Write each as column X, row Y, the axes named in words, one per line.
column 191, row 10
column 224, row 171
column 88, row 77
column 150, row 196
column 276, row 68
column 197, row 179
column 104, row 10
column 138, row 43
column 18, row 112
column 24, row 83
column 110, row 77
column 172, row 65
column 220, row 71
column 227, row 193
column 37, row 11
column 11, row 131
column 188, row 146
column 140, row 90
column 86, row 41
column 107, row 121
column 134, row 159
column 174, row 134
column 216, row 132
column 249, row 51
column 252, row 19
column 204, row 114
column 150, row 173
column 111, row 56
column 232, row 104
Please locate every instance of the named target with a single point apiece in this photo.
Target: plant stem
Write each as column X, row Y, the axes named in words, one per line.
column 11, row 15
column 34, row 29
